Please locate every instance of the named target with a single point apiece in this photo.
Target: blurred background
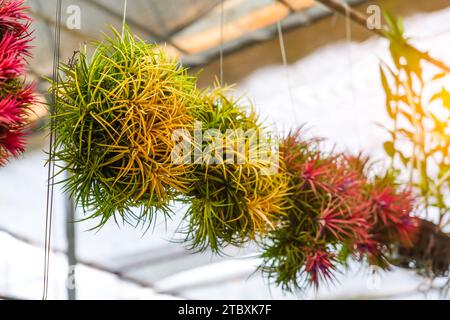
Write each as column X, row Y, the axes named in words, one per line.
column 321, row 71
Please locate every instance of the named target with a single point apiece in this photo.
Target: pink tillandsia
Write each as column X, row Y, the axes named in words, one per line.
column 315, row 172
column 391, row 214
column 13, row 110
column 13, row 50
column 10, row 111
column 348, row 179
column 339, row 211
column 13, row 141
column 319, row 265
column 390, row 219
column 372, row 250
column 345, row 222
column 13, row 17
column 15, row 95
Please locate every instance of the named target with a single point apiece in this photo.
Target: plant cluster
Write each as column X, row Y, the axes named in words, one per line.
column 336, row 212
column 115, row 116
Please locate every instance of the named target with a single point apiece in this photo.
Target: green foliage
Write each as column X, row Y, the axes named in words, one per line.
column 419, row 109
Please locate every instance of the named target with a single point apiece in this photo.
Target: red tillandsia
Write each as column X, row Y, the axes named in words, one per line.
column 372, row 250
column 315, row 171
column 13, row 49
column 387, row 205
column 306, row 164
column 296, row 151
column 347, row 214
column 319, row 265
column 407, row 230
column 391, row 214
column 25, row 93
column 15, row 95
column 326, row 213
column 345, row 222
column 390, row 218
column 13, row 16
column 347, row 184
column 348, row 178
column 13, row 141
column 338, row 211
column 12, row 128
column 10, row 111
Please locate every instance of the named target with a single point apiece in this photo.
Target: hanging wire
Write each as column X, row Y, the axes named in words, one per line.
column 348, row 37
column 124, row 19
column 51, row 163
column 221, row 40
column 286, row 68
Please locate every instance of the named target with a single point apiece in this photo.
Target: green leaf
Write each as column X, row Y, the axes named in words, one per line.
column 407, row 133
column 395, row 25
column 404, row 159
column 389, row 148
column 439, row 76
column 423, row 183
column 384, row 82
column 443, row 95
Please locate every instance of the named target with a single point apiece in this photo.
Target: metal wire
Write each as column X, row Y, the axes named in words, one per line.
column 221, row 40
column 348, row 37
column 51, row 163
column 124, row 19
column 286, row 68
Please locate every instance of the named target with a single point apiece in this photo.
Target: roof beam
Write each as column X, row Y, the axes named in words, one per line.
column 291, row 9
column 187, row 24
column 232, row 30
column 361, row 19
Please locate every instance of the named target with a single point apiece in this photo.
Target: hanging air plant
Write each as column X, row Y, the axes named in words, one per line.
column 15, row 95
column 232, row 199
column 336, row 212
column 116, row 112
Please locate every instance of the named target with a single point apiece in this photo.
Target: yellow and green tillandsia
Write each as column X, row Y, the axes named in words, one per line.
column 115, row 114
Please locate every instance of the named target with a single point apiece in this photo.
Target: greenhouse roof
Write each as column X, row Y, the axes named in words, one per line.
column 193, row 30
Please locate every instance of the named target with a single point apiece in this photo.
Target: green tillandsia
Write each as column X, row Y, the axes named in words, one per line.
column 231, row 199
column 115, row 114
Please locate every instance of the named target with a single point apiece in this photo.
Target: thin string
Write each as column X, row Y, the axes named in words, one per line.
column 348, row 37
column 286, row 68
column 124, row 19
column 51, row 163
column 221, row 40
